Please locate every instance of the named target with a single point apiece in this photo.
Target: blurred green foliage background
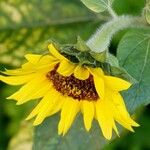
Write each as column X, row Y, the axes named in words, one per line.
column 25, row 26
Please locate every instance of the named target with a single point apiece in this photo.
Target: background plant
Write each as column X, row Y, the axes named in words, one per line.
column 23, row 28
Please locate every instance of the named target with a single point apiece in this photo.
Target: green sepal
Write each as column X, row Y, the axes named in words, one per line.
column 112, row 60
column 50, row 41
column 101, row 57
column 81, row 45
column 116, row 70
column 122, row 73
column 77, row 56
column 81, row 54
column 86, row 59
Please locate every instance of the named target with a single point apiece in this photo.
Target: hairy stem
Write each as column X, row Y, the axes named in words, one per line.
column 112, row 12
column 100, row 41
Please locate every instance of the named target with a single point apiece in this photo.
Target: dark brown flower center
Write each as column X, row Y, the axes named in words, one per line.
column 71, row 86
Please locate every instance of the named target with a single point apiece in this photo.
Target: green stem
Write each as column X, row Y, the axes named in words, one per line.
column 112, row 12
column 100, row 41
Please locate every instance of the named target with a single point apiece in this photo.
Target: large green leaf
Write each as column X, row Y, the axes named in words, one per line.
column 129, row 6
column 47, row 138
column 134, row 56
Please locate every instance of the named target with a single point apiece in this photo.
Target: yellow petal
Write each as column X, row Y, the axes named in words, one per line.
column 66, row 68
column 126, row 124
column 55, row 52
column 17, row 80
column 40, row 92
column 104, row 117
column 45, row 63
column 47, row 59
column 25, row 93
column 42, row 114
column 68, row 113
column 57, row 105
column 11, row 72
column 121, row 113
column 51, row 100
column 17, row 72
column 81, row 73
column 96, row 71
column 98, row 81
column 33, row 58
column 115, row 128
column 39, row 67
column 116, row 84
column 88, row 113
column 100, row 87
column 28, row 67
column 36, row 110
column 119, row 104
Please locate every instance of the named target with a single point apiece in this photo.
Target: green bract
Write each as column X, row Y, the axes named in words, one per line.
column 81, row 53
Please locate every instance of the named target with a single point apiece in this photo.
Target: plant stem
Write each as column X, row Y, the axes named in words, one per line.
column 112, row 12
column 100, row 41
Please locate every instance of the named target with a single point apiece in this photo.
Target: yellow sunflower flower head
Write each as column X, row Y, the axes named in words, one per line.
column 70, row 88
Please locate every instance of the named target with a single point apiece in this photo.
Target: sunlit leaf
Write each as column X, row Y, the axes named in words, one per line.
column 24, row 28
column 147, row 11
column 97, row 5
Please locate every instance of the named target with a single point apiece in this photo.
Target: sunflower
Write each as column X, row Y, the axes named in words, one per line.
column 70, row 88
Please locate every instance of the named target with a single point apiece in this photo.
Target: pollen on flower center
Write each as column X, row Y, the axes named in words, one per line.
column 73, row 87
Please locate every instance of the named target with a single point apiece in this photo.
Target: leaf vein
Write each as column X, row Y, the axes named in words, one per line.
column 139, row 43
column 141, row 74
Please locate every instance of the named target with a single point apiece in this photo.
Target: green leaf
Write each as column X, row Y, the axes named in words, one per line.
column 134, row 56
column 148, row 15
column 122, row 73
column 147, row 11
column 47, row 138
column 33, row 27
column 115, row 70
column 97, row 5
column 129, row 6
column 18, row 13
